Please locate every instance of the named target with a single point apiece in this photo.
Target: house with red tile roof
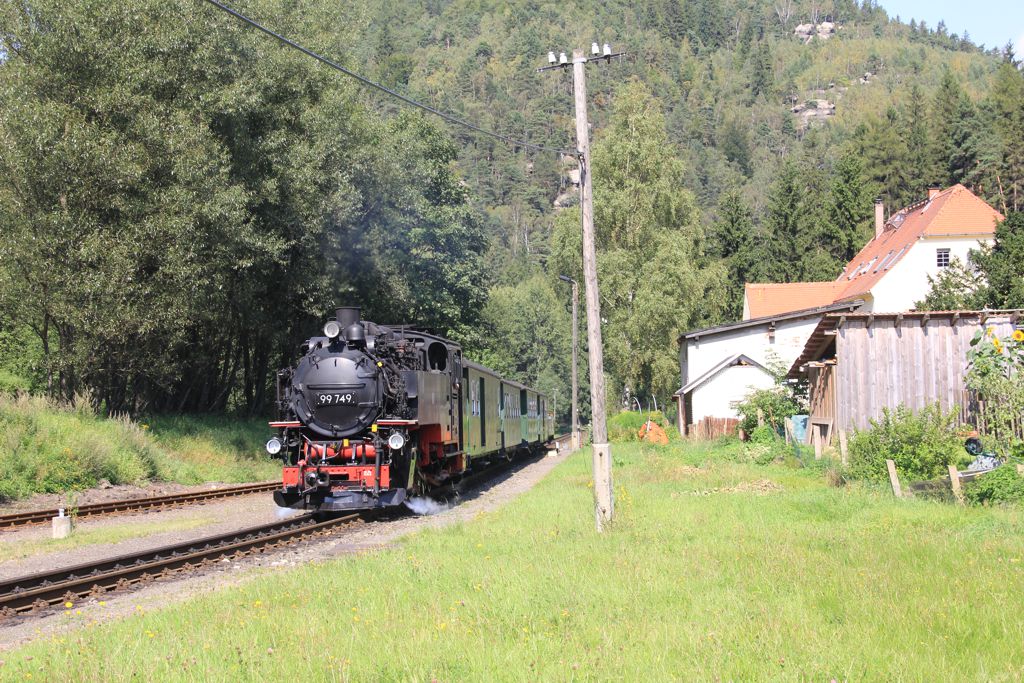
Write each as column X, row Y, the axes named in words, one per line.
column 890, row 274
column 720, row 365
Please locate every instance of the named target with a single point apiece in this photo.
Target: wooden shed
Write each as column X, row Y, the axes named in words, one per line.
column 856, row 364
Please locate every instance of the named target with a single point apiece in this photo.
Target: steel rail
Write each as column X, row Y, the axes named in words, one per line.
column 30, row 517
column 70, row 584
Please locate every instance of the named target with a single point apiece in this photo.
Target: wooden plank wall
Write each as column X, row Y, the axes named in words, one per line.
column 885, row 363
column 822, row 392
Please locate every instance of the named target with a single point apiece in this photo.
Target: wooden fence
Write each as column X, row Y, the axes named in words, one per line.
column 711, row 428
column 978, row 414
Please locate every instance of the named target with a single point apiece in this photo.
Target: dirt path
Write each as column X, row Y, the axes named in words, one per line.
column 362, row 537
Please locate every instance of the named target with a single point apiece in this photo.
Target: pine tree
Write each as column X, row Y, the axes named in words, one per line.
column 948, row 110
column 885, row 153
column 849, row 207
column 1007, row 101
column 732, row 239
column 783, row 223
column 913, row 122
column 964, row 138
column 762, row 79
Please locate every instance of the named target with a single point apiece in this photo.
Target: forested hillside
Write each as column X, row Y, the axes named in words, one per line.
column 182, row 199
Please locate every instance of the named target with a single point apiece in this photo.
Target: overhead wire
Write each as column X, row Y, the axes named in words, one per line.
column 377, row 86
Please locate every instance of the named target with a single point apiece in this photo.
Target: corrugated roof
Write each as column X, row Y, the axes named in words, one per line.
column 954, row 211
column 773, row 298
column 753, row 322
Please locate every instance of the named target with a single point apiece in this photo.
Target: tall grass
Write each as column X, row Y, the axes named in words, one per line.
column 51, row 448
column 716, row 569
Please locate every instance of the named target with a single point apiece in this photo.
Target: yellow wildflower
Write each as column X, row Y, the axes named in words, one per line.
column 68, row 604
column 1018, row 335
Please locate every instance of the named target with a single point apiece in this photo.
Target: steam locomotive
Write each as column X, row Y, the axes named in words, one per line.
column 372, row 415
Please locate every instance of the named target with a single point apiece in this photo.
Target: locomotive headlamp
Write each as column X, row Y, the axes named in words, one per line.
column 396, row 441
column 332, row 329
column 274, row 446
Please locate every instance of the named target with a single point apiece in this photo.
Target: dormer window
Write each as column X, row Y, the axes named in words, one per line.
column 942, row 257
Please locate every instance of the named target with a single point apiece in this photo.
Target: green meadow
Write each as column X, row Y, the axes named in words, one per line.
column 716, row 569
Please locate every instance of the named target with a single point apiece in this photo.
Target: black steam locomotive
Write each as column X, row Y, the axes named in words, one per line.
column 372, row 415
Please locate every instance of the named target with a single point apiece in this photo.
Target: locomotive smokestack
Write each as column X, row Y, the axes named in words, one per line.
column 347, row 316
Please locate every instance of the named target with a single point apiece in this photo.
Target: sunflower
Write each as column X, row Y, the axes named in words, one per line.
column 1018, row 335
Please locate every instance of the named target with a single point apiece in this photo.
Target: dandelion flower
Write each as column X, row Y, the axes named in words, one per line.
column 69, row 604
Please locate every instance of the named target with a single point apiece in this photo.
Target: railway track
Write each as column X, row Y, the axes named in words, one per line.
column 19, row 519
column 71, row 584
column 41, row 591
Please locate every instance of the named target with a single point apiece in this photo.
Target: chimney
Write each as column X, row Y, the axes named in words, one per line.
column 879, row 217
column 348, row 315
column 933, row 192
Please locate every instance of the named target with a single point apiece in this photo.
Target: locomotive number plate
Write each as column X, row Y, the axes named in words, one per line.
column 335, row 398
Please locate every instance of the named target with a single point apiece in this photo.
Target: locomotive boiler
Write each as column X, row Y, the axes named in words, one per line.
column 372, row 415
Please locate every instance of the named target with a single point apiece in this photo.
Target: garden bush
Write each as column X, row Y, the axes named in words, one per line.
column 775, row 404
column 922, row 445
column 1001, row 485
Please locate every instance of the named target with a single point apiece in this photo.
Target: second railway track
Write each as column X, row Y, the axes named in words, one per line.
column 20, row 519
column 41, row 590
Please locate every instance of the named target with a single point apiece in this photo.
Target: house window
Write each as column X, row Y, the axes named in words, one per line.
column 942, row 257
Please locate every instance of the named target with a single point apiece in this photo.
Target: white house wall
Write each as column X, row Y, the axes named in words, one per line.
column 906, row 283
column 755, row 342
column 716, row 397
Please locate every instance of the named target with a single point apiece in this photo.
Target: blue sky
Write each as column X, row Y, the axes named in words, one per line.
column 992, row 22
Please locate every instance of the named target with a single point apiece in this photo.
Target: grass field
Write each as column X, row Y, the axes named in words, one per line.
column 716, row 569
column 52, row 448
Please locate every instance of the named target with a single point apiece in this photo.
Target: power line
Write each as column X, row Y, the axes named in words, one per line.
column 384, row 89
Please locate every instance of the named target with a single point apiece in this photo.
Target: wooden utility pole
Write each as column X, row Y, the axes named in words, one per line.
column 575, row 442
column 575, row 365
column 603, row 503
